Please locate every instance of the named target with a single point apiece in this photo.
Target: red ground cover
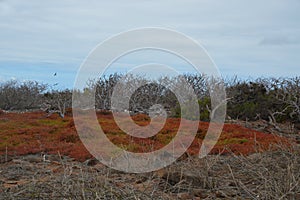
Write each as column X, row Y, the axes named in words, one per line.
column 36, row 132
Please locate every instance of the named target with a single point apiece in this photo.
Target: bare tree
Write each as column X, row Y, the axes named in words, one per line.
column 57, row 102
column 287, row 94
column 21, row 96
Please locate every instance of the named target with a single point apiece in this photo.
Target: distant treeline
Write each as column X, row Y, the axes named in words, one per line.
column 275, row 99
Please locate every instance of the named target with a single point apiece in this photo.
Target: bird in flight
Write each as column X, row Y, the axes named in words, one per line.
column 55, row 74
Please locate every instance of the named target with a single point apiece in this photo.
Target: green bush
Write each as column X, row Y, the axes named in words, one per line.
column 187, row 111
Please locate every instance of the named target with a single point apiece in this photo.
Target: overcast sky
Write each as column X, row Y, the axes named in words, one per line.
column 245, row 38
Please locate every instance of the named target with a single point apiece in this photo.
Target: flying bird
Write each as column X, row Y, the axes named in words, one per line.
column 55, row 74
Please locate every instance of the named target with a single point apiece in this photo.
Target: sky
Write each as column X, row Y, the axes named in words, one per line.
column 244, row 38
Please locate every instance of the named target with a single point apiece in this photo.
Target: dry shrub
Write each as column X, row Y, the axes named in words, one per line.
column 266, row 175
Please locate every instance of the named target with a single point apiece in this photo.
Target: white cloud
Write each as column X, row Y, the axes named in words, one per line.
column 237, row 34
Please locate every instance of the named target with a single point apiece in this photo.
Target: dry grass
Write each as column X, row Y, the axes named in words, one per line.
column 267, row 175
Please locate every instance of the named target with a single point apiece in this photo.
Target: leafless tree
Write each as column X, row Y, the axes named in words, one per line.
column 287, row 94
column 21, row 96
column 57, row 102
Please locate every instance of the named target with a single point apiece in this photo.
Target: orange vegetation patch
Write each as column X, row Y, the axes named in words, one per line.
column 31, row 133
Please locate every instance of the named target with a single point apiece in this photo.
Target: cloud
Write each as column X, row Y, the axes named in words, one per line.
column 278, row 41
column 61, row 33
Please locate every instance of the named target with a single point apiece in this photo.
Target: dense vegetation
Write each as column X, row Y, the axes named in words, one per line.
column 272, row 99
